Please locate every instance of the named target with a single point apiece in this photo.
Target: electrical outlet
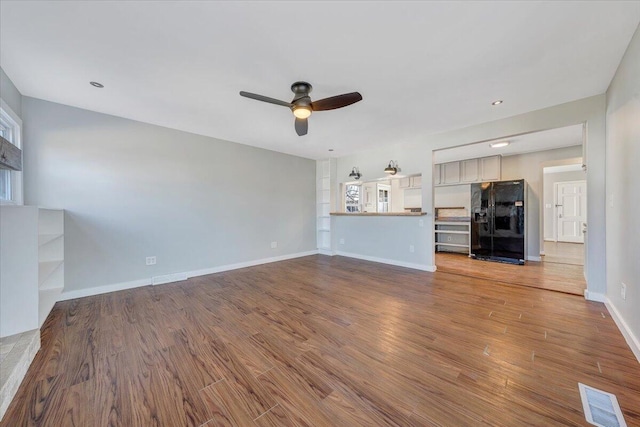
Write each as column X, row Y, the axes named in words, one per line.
column 421, row 223
column 412, row 249
column 342, row 241
column 151, row 260
column 623, row 291
column 274, row 245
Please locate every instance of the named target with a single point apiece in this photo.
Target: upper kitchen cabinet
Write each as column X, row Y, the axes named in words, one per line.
column 490, row 168
column 468, row 171
column 450, row 173
column 410, row 182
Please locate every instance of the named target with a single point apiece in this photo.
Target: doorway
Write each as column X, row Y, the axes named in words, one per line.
column 549, row 263
column 564, row 217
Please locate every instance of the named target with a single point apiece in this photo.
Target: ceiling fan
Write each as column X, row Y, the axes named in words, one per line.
column 302, row 106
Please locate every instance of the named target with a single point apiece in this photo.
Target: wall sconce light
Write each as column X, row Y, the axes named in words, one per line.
column 355, row 173
column 392, row 169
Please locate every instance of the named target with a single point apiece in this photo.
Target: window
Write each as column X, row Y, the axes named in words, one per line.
column 10, row 181
column 352, row 198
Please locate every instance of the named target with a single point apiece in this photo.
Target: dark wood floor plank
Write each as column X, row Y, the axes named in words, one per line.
column 328, row 341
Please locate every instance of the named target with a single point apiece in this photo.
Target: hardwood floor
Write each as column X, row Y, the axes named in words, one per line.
column 563, row 253
column 543, row 275
column 325, row 341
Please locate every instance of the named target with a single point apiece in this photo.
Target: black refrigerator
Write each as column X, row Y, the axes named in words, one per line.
column 498, row 221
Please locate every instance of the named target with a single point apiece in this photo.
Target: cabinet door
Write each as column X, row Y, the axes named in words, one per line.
column 469, row 171
column 416, row 181
column 490, row 168
column 451, row 173
column 436, row 175
column 404, row 182
column 369, row 197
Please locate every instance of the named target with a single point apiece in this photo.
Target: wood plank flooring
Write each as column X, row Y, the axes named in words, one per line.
column 542, row 275
column 325, row 341
column 563, row 253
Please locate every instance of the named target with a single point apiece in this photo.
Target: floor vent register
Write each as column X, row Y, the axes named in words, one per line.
column 601, row 408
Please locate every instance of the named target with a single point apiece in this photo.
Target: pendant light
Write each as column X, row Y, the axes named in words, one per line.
column 355, row 173
column 392, row 169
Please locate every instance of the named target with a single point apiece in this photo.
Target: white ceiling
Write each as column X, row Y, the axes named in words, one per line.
column 422, row 67
column 529, row 143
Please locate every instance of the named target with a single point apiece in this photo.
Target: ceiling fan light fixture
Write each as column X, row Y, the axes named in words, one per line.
column 500, row 144
column 392, row 169
column 301, row 112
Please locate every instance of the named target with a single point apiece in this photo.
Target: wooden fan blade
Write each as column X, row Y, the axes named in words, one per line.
column 302, row 125
column 265, row 99
column 338, row 101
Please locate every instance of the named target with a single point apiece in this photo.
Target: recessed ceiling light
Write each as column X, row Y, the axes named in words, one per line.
column 500, row 144
column 498, row 102
column 96, row 84
column 330, row 149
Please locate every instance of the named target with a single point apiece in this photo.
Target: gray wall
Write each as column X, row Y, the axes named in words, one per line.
column 529, row 167
column 10, row 94
column 623, row 190
column 133, row 190
column 549, row 180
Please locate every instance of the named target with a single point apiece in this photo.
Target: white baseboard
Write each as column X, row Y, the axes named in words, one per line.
column 80, row 293
column 249, row 263
column 430, row 268
column 594, row 296
column 627, row 333
column 541, row 253
column 534, row 258
column 326, row 252
column 87, row 292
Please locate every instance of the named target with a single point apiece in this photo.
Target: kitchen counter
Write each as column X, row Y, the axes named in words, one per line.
column 378, row 214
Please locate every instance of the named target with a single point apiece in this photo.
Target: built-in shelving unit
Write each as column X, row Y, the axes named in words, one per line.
column 452, row 236
column 50, row 260
column 324, row 170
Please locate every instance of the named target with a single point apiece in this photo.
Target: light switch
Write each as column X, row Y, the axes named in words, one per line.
column 548, row 206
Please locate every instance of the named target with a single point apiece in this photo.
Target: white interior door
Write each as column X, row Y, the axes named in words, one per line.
column 571, row 210
column 384, row 192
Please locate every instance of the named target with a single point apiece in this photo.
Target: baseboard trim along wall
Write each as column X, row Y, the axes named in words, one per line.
column 175, row 277
column 534, row 258
column 430, row 268
column 632, row 340
column 594, row 296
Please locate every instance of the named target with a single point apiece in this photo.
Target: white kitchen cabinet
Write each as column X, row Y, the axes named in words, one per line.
column 451, row 173
column 490, row 168
column 469, row 170
column 369, row 197
column 410, row 182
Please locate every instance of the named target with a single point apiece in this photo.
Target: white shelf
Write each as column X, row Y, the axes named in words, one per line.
column 455, row 245
column 43, row 239
column 46, row 300
column 45, row 270
column 457, row 235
